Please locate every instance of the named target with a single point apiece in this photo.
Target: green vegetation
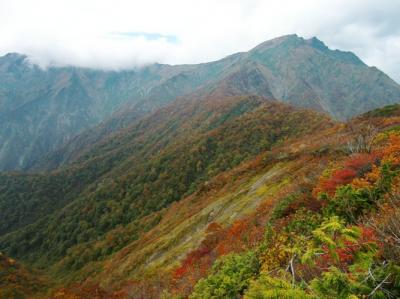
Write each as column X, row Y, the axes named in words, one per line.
column 389, row 110
column 229, row 278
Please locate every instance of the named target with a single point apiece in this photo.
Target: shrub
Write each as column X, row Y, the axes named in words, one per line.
column 303, row 222
column 229, row 278
column 267, row 287
column 281, row 207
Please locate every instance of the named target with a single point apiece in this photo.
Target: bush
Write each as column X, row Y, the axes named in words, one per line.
column 229, row 278
column 267, row 287
column 281, row 207
column 350, row 203
column 303, row 222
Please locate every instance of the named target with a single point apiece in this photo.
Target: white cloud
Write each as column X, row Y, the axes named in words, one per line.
column 112, row 34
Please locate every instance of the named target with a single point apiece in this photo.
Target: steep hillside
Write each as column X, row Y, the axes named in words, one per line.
column 242, row 183
column 136, row 172
column 314, row 218
column 42, row 109
column 18, row 282
column 334, row 238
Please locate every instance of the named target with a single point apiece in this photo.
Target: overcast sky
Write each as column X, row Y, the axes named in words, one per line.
column 121, row 34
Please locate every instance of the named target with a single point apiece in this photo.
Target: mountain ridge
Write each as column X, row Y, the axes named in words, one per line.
column 50, row 107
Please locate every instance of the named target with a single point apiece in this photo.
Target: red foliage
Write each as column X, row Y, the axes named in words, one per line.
column 353, row 167
column 241, row 235
column 338, row 178
column 360, row 161
column 237, row 229
column 192, row 262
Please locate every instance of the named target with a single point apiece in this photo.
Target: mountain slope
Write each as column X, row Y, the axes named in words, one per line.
column 17, row 281
column 200, row 177
column 41, row 110
column 268, row 208
column 128, row 177
column 302, row 72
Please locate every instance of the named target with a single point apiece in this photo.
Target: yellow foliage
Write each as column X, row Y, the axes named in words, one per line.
column 277, row 254
column 360, row 183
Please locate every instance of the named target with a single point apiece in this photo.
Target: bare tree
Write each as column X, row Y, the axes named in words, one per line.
column 363, row 140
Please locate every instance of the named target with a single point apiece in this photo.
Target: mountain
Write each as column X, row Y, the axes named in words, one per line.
column 41, row 110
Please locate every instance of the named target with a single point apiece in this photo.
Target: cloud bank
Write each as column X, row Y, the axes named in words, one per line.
column 123, row 34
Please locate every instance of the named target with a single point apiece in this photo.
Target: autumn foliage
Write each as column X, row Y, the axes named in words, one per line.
column 345, row 255
column 355, row 166
column 324, row 248
column 243, row 234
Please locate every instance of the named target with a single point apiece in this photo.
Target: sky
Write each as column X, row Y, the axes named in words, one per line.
column 122, row 34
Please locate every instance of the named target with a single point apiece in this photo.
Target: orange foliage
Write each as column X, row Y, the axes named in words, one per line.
column 369, row 179
column 391, row 152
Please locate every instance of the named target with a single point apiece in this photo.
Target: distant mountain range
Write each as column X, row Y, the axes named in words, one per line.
column 43, row 112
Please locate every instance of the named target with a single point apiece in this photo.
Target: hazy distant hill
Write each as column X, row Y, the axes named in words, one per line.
column 42, row 109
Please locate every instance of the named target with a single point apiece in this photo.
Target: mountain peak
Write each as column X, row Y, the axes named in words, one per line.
column 13, row 56
column 290, row 42
column 317, row 43
column 290, row 38
column 11, row 60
